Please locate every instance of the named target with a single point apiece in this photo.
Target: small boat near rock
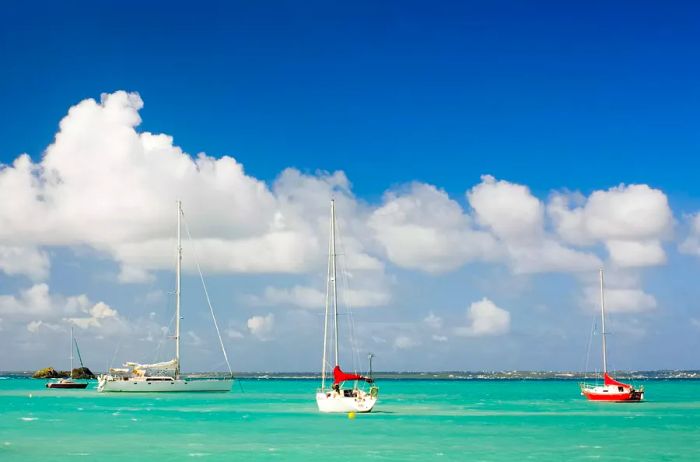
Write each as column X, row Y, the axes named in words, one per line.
column 69, row 382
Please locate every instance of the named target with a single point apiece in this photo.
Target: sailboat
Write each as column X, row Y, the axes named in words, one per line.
column 69, row 383
column 611, row 390
column 163, row 376
column 338, row 398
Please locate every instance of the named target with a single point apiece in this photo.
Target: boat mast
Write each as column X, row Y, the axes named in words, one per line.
column 325, row 319
column 333, row 282
column 177, row 292
column 602, row 316
column 71, row 352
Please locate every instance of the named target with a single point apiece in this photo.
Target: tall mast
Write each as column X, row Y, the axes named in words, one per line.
column 71, row 352
column 333, row 283
column 602, row 316
column 177, row 292
column 325, row 319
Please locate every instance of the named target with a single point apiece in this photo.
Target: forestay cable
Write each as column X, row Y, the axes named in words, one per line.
column 206, row 294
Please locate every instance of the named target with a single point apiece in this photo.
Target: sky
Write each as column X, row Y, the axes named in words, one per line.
column 487, row 158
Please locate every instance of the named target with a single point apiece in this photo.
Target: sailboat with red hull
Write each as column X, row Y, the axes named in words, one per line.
column 611, row 389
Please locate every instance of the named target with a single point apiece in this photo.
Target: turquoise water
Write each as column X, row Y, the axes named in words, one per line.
column 414, row 420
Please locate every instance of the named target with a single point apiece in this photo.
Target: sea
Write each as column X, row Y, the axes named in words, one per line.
column 414, row 420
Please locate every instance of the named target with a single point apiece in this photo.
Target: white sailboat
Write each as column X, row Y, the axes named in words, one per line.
column 337, row 398
column 163, row 376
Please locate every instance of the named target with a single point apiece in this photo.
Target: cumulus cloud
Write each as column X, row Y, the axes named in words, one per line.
column 97, row 315
column 509, row 209
column 517, row 218
column 485, row 318
column 631, row 220
column 43, row 309
column 132, row 180
column 636, row 253
column 422, row 228
column 22, row 260
column 34, row 301
column 620, row 300
column 262, row 326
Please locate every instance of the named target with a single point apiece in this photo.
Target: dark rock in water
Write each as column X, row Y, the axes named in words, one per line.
column 50, row 373
column 83, row 373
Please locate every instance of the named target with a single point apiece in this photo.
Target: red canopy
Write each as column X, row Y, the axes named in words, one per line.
column 341, row 376
column 607, row 380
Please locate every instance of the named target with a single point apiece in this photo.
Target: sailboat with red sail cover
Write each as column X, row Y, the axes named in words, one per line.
column 357, row 397
column 611, row 390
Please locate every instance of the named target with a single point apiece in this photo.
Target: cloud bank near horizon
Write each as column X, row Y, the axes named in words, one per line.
column 106, row 185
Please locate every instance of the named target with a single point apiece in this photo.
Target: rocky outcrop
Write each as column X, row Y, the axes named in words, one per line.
column 51, row 373
column 83, row 373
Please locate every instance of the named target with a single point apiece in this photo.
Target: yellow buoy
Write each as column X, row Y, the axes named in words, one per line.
column 351, row 415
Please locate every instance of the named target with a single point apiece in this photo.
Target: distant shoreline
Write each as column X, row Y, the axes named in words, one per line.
column 446, row 375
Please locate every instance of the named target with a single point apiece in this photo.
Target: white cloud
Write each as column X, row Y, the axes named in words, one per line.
column 311, row 298
column 636, row 253
column 45, row 310
column 439, row 338
column 233, row 333
column 433, row 321
column 485, row 318
column 261, row 326
column 631, row 221
column 620, row 300
column 34, row 301
column 509, row 209
column 132, row 274
column 132, row 180
column 404, row 342
column 422, row 228
column 24, row 260
column 301, row 296
column 517, row 218
column 36, row 326
column 98, row 314
column 548, row 255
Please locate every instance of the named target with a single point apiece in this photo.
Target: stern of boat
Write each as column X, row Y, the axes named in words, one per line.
column 332, row 402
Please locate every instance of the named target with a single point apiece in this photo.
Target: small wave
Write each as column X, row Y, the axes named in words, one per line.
column 199, row 454
column 29, row 419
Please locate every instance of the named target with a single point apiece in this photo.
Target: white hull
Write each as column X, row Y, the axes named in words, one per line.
column 144, row 385
column 331, row 402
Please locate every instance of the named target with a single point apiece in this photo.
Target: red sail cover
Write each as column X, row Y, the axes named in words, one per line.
column 607, row 380
column 341, row 376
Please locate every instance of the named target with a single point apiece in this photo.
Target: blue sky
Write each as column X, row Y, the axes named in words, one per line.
column 554, row 97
